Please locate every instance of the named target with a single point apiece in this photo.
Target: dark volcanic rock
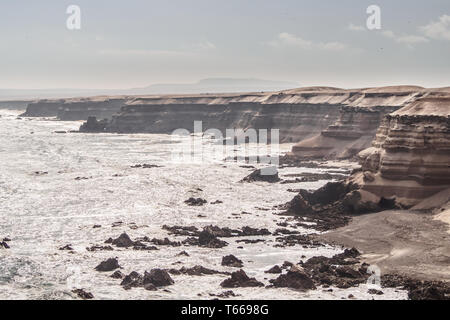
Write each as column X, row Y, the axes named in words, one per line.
column 375, row 291
column 249, row 231
column 240, row 279
column 66, row 248
column 296, row 278
column 182, row 231
column 232, row 261
column 81, row 293
column 133, row 280
column 4, row 245
column 261, row 175
column 93, row 125
column 274, row 270
column 145, row 166
column 158, row 278
column 197, row 271
column 418, row 289
column 118, row 275
column 195, row 202
column 225, row 294
column 342, row 270
column 99, row 248
column 108, row 265
column 209, row 240
column 123, row 241
column 165, row 242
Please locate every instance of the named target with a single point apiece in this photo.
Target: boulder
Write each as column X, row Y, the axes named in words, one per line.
column 240, row 279
column 296, row 278
column 108, row 265
column 232, row 261
column 158, row 278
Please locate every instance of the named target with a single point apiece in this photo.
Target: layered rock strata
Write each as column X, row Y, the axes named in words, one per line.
column 332, row 114
column 358, row 123
column 410, row 156
column 76, row 109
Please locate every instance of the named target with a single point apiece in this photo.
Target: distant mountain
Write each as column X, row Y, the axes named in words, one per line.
column 210, row 85
column 219, row 85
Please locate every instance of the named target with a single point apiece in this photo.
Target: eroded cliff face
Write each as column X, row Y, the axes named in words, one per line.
column 358, row 122
column 76, row 108
column 14, row 105
column 328, row 114
column 410, row 156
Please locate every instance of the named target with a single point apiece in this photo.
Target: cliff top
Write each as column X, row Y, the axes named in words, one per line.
column 429, row 106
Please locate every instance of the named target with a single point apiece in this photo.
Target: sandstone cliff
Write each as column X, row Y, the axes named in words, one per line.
column 410, row 156
column 327, row 115
column 358, row 122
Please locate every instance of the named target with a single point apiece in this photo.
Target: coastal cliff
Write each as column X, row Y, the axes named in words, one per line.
column 325, row 122
column 76, row 108
column 358, row 123
column 409, row 157
column 323, row 114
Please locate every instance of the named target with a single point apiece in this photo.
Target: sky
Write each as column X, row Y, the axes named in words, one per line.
column 136, row 43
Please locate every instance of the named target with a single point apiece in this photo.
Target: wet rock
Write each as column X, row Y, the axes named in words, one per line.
column 250, row 241
column 108, row 265
column 145, row 166
column 347, row 272
column 217, row 202
column 266, row 175
column 287, row 265
column 81, row 293
column 375, row 291
column 4, row 245
column 82, row 178
column 133, row 280
column 99, row 248
column 418, row 289
column 196, row 202
column 232, row 261
column 297, row 239
column 341, row 270
column 274, row 270
column 141, row 247
column 249, row 231
column 40, row 173
column 240, row 279
column 295, row 278
column 93, row 125
column 117, row 224
column 67, row 247
column 181, row 230
column 118, row 275
column 225, row 294
column 285, row 231
column 123, row 241
column 6, row 239
column 96, row 226
column 183, row 253
column 165, row 242
column 157, row 278
column 198, row 271
column 209, row 240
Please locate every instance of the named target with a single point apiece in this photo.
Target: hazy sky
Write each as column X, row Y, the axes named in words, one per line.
column 135, row 43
